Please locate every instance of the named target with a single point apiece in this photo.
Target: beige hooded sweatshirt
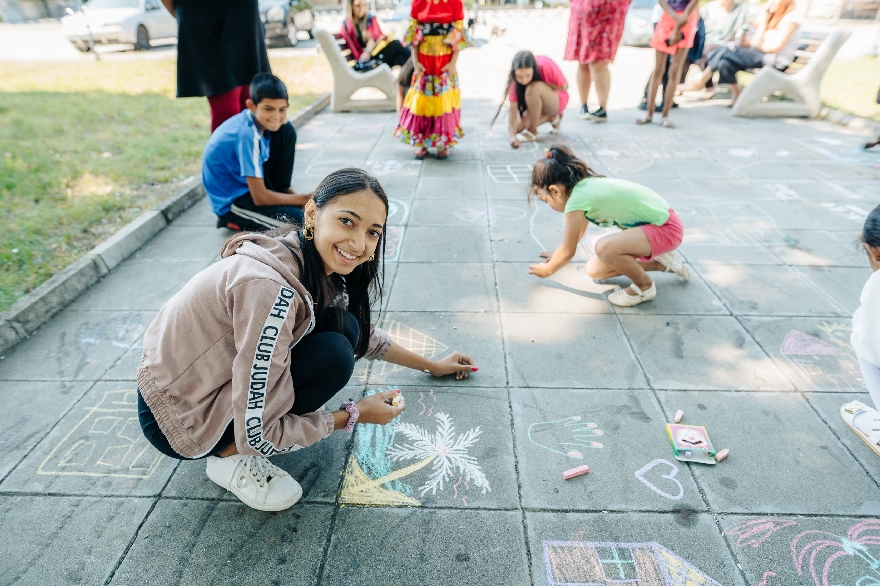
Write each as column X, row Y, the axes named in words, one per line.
column 219, row 351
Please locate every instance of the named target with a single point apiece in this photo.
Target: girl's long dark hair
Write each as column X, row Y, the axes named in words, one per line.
column 871, row 231
column 522, row 60
column 363, row 284
column 560, row 166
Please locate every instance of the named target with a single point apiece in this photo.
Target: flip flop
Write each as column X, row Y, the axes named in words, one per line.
column 666, row 123
column 848, row 413
column 527, row 136
column 421, row 153
column 641, row 121
column 555, row 124
column 442, row 154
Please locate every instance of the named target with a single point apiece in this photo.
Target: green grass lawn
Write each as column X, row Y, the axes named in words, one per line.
column 85, row 147
column 851, row 86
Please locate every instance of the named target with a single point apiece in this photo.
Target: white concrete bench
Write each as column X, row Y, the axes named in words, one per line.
column 346, row 81
column 800, row 84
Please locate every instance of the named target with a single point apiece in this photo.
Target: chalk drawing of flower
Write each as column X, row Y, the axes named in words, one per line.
column 854, row 545
column 447, row 452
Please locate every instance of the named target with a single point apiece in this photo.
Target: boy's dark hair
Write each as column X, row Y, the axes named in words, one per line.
column 265, row 86
column 871, row 231
column 560, row 166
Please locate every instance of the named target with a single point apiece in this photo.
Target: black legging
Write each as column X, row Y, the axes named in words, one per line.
column 320, row 364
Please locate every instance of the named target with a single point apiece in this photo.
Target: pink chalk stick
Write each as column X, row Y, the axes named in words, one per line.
column 569, row 474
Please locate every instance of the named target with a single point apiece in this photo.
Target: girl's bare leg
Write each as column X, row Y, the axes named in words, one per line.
column 541, row 99
column 659, row 70
column 584, row 80
column 615, row 255
column 674, row 73
column 602, row 79
column 735, row 91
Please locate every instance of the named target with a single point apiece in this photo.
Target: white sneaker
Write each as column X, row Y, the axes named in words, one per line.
column 673, row 265
column 255, row 481
column 621, row 298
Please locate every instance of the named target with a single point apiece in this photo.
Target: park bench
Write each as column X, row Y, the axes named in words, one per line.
column 346, row 81
column 799, row 83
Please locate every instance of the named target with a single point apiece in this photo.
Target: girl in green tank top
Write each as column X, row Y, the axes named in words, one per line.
column 650, row 229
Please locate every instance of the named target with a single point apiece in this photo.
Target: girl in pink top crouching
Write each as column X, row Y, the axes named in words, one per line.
column 538, row 93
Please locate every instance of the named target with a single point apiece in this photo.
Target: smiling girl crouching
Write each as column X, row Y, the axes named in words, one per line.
column 238, row 364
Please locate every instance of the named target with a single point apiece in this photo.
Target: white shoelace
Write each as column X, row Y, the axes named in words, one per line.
column 260, row 469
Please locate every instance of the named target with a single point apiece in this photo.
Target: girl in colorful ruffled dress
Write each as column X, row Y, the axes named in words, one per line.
column 431, row 112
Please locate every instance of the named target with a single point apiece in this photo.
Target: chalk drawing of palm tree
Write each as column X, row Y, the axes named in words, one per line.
column 854, row 545
column 447, row 452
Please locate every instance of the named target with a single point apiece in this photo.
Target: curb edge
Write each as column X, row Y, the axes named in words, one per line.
column 37, row 307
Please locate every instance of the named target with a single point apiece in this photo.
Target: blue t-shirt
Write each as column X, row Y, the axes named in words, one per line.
column 234, row 152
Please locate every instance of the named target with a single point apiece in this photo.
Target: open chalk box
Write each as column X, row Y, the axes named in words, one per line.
column 691, row 443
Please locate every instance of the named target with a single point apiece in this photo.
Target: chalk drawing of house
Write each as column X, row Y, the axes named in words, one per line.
column 593, row 563
column 106, row 442
column 819, row 361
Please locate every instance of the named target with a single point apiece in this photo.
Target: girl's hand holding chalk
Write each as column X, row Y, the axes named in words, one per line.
column 375, row 409
column 456, row 363
column 542, row 270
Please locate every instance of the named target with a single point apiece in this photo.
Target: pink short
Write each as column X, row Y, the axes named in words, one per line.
column 665, row 238
column 563, row 100
column 664, row 29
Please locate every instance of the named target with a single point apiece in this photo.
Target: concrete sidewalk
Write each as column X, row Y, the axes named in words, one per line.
column 755, row 347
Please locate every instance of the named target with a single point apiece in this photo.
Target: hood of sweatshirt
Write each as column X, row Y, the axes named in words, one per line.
column 269, row 251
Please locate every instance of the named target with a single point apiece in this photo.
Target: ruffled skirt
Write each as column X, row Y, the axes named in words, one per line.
column 431, row 113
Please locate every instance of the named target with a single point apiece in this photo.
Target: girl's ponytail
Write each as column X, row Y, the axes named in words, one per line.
column 560, row 166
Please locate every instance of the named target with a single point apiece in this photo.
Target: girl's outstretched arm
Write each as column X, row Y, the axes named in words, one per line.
column 461, row 365
column 575, row 227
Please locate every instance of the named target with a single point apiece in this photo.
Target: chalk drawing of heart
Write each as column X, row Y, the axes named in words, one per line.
column 640, row 474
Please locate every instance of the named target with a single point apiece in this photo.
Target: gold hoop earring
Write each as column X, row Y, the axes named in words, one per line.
column 371, row 258
column 308, row 232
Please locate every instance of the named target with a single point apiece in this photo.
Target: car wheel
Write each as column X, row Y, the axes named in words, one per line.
column 143, row 39
column 292, row 39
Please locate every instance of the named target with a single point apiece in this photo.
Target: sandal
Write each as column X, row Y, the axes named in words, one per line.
column 641, row 121
column 555, row 124
column 527, row 136
column 443, row 154
column 666, row 123
column 421, row 153
column 672, row 265
column 848, row 413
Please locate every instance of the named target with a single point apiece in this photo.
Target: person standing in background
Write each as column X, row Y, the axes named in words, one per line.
column 221, row 46
column 595, row 28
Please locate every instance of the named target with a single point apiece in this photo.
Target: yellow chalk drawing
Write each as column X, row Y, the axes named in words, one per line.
column 106, row 442
column 370, row 478
column 411, row 339
column 359, row 488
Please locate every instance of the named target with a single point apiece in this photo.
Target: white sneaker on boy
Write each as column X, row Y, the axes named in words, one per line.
column 255, row 481
column 621, row 298
column 673, row 265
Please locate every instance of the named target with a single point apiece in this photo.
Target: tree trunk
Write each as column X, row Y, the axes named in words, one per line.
column 393, row 476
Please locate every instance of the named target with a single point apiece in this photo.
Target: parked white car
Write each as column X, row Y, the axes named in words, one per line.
column 638, row 28
column 128, row 22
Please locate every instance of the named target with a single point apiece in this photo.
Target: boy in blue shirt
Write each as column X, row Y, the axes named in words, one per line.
column 248, row 163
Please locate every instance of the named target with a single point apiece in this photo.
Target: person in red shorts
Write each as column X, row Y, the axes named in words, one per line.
column 673, row 35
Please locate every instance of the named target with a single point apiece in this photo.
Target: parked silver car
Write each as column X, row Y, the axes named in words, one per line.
column 638, row 28
column 283, row 19
column 129, row 22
